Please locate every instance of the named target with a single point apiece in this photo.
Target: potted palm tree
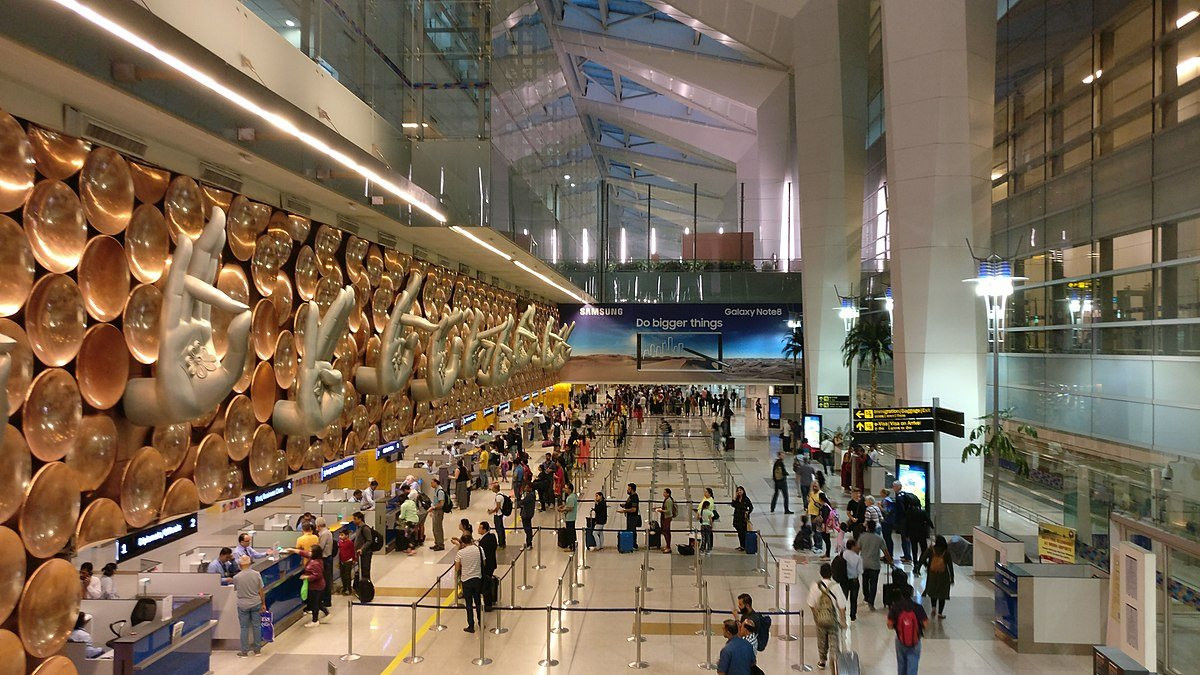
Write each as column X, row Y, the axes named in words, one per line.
column 868, row 341
column 997, row 443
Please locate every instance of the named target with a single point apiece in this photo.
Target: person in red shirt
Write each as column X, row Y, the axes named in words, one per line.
column 346, row 560
column 314, row 574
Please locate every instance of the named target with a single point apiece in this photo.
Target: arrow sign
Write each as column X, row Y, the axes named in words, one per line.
column 893, row 413
column 893, row 425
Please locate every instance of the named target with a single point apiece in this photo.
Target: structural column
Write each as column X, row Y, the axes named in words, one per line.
column 939, row 77
column 830, row 66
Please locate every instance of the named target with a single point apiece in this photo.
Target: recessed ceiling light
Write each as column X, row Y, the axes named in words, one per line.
column 289, row 23
column 572, row 185
column 566, row 176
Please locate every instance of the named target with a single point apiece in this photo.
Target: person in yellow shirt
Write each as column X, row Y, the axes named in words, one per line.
column 485, row 459
column 307, row 540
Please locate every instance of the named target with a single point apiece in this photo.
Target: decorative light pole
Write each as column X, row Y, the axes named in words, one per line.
column 994, row 285
column 848, row 313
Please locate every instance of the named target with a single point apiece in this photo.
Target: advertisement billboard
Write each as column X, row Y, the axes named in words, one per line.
column 678, row 343
column 914, row 476
column 774, row 412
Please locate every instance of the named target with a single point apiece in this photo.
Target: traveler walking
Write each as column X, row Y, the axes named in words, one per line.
column 325, row 540
column 468, row 564
column 785, row 436
column 854, row 570
column 804, row 472
column 941, row 575
column 908, row 620
column 251, row 602
column 779, row 475
column 828, row 607
column 871, row 549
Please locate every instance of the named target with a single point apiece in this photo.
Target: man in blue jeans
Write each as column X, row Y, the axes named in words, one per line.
column 908, row 620
column 251, row 602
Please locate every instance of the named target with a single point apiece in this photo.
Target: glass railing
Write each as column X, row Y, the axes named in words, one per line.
column 662, row 285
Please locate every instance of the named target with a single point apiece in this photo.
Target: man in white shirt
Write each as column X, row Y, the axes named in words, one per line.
column 497, row 513
column 372, row 493
column 828, row 606
column 364, row 503
column 244, row 548
column 854, row 570
column 468, row 562
column 826, row 458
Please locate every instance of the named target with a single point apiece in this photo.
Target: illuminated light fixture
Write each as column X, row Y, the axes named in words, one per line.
column 578, row 298
column 654, row 241
column 525, row 231
column 624, row 247
column 1187, row 69
column 1093, row 77
column 994, row 285
column 289, row 23
column 554, row 246
column 848, row 313
column 587, row 249
column 687, row 230
column 464, row 232
column 274, row 119
column 1186, row 19
column 414, row 125
column 997, row 174
column 889, row 303
column 720, row 230
column 572, row 185
column 566, row 176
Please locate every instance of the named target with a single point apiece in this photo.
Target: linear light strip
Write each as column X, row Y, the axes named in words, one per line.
column 274, row 119
column 466, row 233
column 480, row 242
column 550, row 281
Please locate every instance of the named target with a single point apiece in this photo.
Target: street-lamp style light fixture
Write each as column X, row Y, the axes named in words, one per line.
column 994, row 285
column 888, row 303
column 848, row 312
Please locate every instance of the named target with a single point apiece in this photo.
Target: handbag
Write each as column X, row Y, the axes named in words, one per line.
column 268, row 627
column 304, row 590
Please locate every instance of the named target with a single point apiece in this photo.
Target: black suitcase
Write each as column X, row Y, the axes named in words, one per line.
column 654, row 540
column 564, row 537
column 491, row 590
column 729, row 444
column 364, row 589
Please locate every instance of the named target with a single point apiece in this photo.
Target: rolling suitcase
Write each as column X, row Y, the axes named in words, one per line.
column 564, row 537
column 845, row 660
column 364, row 589
column 491, row 590
column 654, row 539
column 589, row 538
column 625, row 541
column 729, row 444
column 752, row 542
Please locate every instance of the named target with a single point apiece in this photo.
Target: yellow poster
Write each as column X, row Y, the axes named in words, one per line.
column 1056, row 544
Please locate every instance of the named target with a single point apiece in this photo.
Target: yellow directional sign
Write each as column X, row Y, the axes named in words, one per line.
column 923, row 412
column 893, row 425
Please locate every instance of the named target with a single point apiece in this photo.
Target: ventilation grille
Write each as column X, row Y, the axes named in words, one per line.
column 464, row 270
column 386, row 239
column 347, row 225
column 220, row 177
column 296, row 205
column 421, row 253
column 92, row 129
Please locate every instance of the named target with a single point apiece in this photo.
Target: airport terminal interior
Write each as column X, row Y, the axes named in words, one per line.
column 585, row 336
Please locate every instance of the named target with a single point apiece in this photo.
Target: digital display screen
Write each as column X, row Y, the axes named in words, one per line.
column 679, row 351
column 334, row 469
column 267, row 495
column 774, row 408
column 143, row 541
column 467, row 419
column 387, row 450
column 488, row 412
column 443, row 428
column 914, row 477
column 812, row 429
column 526, row 397
column 505, row 407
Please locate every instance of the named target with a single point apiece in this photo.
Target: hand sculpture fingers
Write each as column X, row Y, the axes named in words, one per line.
column 202, row 267
column 177, row 302
column 335, row 322
column 234, row 362
column 328, row 375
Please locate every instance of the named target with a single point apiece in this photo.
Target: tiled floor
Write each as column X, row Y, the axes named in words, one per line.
column 596, row 641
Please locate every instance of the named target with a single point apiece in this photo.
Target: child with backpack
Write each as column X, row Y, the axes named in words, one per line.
column 908, row 620
column 804, row 536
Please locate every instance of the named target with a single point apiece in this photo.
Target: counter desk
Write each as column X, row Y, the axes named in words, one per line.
column 1030, row 599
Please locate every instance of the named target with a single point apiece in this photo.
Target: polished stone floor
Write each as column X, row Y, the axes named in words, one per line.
column 599, row 626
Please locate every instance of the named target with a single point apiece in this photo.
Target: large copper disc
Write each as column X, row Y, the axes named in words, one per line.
column 247, row 220
column 212, row 469
column 172, row 442
column 233, row 282
column 142, row 487
column 149, row 184
column 50, row 510
column 92, row 456
column 307, row 273
column 55, row 319
column 264, row 329
column 55, row 225
column 140, row 321
column 12, row 572
column 184, row 208
column 240, row 424
column 147, row 244
column 106, row 186
column 18, row 466
column 326, row 246
column 101, row 520
column 281, row 298
column 103, row 366
column 21, row 371
column 56, row 665
column 271, row 251
column 16, row 259
column 58, row 156
column 295, row 447
column 13, row 662
column 182, row 497
column 211, row 196
column 267, row 462
column 285, row 360
column 263, row 392
column 49, row 607
column 51, row 414
column 104, row 278
column 17, row 163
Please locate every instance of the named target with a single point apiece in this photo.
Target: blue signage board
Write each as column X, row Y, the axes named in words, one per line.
column 337, row 468
column 390, row 450
column 443, row 428
column 505, row 407
column 143, row 541
column 526, row 397
column 489, row 411
column 267, row 495
column 467, row 419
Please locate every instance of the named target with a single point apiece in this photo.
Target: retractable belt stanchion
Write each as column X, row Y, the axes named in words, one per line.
column 525, row 585
column 637, row 602
column 483, row 660
column 787, row 617
column 437, row 621
column 637, row 622
column 560, row 628
column 776, row 607
column 800, row 665
column 569, row 583
column 350, row 655
column 548, row 662
column 583, row 556
column 706, row 630
column 538, row 537
column 413, row 658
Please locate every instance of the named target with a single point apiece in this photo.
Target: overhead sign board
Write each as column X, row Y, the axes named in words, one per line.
column 467, row 419
column 267, row 495
column 917, row 424
column 144, row 541
column 335, row 469
column 833, row 401
column 443, row 428
column 526, row 397
column 893, row 413
column 505, row 407
column 489, row 411
column 390, row 449
column 893, row 425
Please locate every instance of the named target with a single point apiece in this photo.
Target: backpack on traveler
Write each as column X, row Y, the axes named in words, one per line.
column 839, row 569
column 376, row 539
column 506, row 506
column 908, row 628
column 762, row 628
column 825, row 613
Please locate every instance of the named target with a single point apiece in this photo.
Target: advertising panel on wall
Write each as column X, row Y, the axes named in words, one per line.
column 678, row 343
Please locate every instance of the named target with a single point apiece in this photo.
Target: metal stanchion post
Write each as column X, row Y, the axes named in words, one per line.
column 707, row 631
column 560, row 628
column 538, row 536
column 637, row 602
column 760, row 558
column 413, row 658
column 699, row 567
column 548, row 662
column 582, row 550
column 646, row 553
column 776, row 607
column 570, row 601
column 766, row 582
column 350, row 655
column 787, row 616
column 800, row 665
column 575, row 568
column 437, row 621
column 483, row 660
column 499, row 628
column 525, row 585
column 637, row 644
column 707, row 628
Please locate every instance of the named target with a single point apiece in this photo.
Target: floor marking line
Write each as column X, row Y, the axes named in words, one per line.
column 408, row 648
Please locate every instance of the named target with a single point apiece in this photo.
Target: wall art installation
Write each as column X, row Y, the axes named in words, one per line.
column 165, row 344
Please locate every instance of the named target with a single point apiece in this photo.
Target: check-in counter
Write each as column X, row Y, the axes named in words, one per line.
column 180, row 644
column 990, row 546
column 1030, row 599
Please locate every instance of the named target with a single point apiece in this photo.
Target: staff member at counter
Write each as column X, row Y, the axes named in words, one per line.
column 372, row 493
column 245, row 549
column 224, row 566
column 364, row 502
